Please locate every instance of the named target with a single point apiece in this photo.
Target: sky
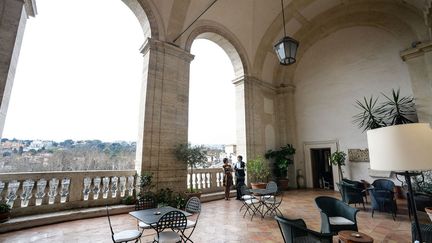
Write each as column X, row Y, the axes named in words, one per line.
column 79, row 77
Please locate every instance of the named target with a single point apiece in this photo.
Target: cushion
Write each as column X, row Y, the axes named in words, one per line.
column 168, row 237
column 252, row 201
column 126, row 235
column 190, row 224
column 143, row 225
column 246, row 197
column 340, row 221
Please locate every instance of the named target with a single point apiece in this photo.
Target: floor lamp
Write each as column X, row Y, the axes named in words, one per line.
column 404, row 149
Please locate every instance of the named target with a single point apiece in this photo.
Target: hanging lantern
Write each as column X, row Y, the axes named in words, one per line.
column 286, row 48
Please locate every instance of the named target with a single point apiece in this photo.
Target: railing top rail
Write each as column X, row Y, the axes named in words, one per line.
column 206, row 170
column 69, row 172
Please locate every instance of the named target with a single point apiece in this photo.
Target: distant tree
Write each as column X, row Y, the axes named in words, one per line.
column 33, row 151
column 7, row 154
column 4, row 140
column 54, row 144
column 14, row 151
column 20, row 150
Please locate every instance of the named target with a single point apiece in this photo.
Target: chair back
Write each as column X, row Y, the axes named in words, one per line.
column 272, row 187
column 379, row 197
column 291, row 228
column 172, row 220
column 331, row 206
column 384, row 184
column 109, row 222
column 245, row 190
column 146, row 201
column 193, row 205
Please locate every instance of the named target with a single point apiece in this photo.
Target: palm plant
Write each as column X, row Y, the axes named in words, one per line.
column 370, row 115
column 399, row 110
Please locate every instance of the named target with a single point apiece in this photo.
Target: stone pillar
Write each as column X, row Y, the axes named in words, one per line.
column 419, row 61
column 163, row 113
column 13, row 16
column 286, row 127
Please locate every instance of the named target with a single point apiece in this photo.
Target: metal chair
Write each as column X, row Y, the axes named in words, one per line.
column 251, row 203
column 246, row 194
column 145, row 202
column 295, row 231
column 336, row 215
column 176, row 222
column 193, row 206
column 272, row 204
column 123, row 236
column 351, row 194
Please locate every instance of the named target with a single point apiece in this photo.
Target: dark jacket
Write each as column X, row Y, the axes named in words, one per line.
column 240, row 172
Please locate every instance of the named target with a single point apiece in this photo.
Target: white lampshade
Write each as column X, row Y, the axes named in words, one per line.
column 405, row 147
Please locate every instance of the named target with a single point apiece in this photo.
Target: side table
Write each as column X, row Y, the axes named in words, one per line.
column 349, row 236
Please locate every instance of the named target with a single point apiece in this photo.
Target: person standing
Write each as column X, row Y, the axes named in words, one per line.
column 228, row 178
column 239, row 168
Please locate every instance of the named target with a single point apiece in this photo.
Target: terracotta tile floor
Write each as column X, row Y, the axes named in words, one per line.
column 220, row 221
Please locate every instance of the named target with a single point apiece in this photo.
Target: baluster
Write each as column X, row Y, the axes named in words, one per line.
column 64, row 192
column 131, row 185
column 86, row 189
column 96, row 187
column 187, row 181
column 204, row 180
column 195, row 181
column 114, row 186
column 26, row 192
column 221, row 177
column 198, row 180
column 2, row 185
column 217, row 179
column 12, row 192
column 52, row 193
column 209, row 179
column 105, row 187
column 122, row 186
column 40, row 191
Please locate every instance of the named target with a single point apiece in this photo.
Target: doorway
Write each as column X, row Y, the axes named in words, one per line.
column 322, row 173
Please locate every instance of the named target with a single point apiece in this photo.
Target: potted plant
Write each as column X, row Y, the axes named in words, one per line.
column 282, row 159
column 4, row 212
column 193, row 156
column 338, row 158
column 258, row 171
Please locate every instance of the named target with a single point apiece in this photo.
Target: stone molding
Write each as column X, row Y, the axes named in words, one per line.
column 166, row 48
column 30, row 7
column 254, row 80
column 417, row 51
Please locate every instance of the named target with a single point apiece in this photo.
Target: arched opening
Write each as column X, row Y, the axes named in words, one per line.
column 227, row 96
column 77, row 88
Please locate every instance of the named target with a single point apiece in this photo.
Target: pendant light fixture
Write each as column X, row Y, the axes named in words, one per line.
column 286, row 48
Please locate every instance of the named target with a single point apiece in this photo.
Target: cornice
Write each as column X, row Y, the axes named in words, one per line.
column 166, row 48
column 414, row 52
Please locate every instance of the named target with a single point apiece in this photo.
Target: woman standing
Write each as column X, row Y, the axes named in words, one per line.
column 228, row 178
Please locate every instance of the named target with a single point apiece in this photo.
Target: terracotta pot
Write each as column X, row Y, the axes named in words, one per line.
column 429, row 212
column 283, row 184
column 4, row 217
column 258, row 185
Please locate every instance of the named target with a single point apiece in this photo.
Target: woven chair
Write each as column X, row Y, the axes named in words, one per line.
column 193, row 206
column 169, row 226
column 295, row 231
column 351, row 194
column 125, row 235
column 336, row 215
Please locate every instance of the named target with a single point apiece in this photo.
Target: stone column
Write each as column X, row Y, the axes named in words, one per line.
column 286, row 128
column 13, row 16
column 163, row 113
column 419, row 61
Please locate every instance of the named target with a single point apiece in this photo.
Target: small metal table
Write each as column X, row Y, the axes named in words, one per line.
column 151, row 216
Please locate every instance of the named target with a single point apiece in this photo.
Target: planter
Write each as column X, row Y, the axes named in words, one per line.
column 283, row 184
column 258, row 185
column 4, row 217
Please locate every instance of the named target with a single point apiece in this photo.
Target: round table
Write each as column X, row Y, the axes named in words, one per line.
column 348, row 236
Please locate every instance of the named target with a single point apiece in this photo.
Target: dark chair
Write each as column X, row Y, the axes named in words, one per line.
column 422, row 200
column 125, row 235
column 336, row 215
column 144, row 202
column 383, row 201
column 351, row 194
column 246, row 194
column 426, row 231
column 295, row 231
column 175, row 222
column 193, row 206
column 384, row 184
column 359, row 185
column 327, row 179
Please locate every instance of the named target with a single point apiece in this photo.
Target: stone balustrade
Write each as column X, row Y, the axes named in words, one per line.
column 40, row 192
column 207, row 180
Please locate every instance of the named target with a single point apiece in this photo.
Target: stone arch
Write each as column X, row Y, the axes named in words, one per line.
column 342, row 14
column 226, row 40
column 147, row 16
column 309, row 36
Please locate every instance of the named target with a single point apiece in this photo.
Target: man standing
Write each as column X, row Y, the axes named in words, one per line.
column 239, row 168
